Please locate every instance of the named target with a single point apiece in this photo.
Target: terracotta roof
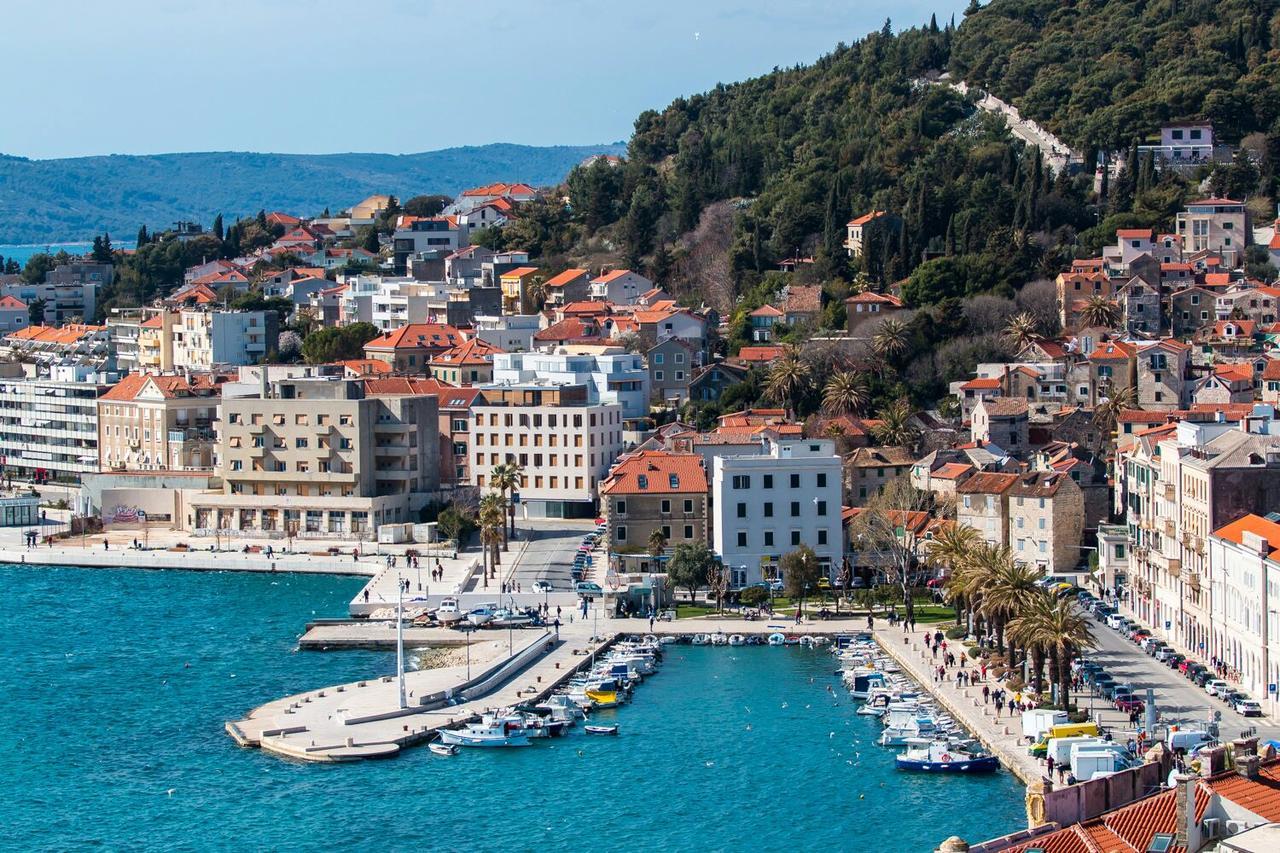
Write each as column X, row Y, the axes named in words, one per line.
column 499, row 189
column 571, row 329
column 1133, row 233
column 987, row 483
column 1272, row 370
column 867, row 297
column 474, row 352
column 879, row 457
column 1141, row 416
column 1260, row 796
column 363, row 366
column 1217, row 279
column 68, row 334
column 567, row 277
column 418, row 335
column 519, row 272
column 760, row 354
column 867, row 217
column 803, row 299
column 766, row 311
column 1234, row 372
column 404, row 386
column 1111, row 351
column 170, row 386
column 951, row 471
column 1215, row 200
column 12, row 302
column 1004, row 407
column 1037, row 484
column 198, row 292
column 656, row 472
column 611, row 275
column 1268, row 530
column 981, row 384
column 155, row 321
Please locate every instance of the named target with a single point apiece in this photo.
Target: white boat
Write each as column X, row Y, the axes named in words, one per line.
column 482, row 734
column 701, row 639
column 448, row 612
column 719, row 638
column 737, row 640
column 806, row 640
column 777, row 639
column 510, row 619
column 601, row 730
column 482, row 615
column 443, row 748
column 666, row 640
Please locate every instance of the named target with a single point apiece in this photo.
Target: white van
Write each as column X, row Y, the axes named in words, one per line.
column 1037, row 721
column 1091, row 762
column 1060, row 747
column 1187, row 740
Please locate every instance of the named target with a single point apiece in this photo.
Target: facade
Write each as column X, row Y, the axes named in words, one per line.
column 671, row 364
column 14, row 314
column 621, row 287
column 858, row 230
column 1046, row 521
column 653, row 491
column 867, row 306
column 868, row 469
column 469, row 363
column 203, row 340
column 410, row 348
column 318, row 457
column 982, row 502
column 49, row 427
column 1245, row 556
column 438, row 233
column 565, row 447
column 158, row 423
column 611, row 374
column 1003, row 422
column 769, row 504
column 516, row 290
column 1217, row 225
column 572, row 285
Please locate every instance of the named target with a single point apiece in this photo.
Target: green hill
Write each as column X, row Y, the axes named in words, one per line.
column 76, row 198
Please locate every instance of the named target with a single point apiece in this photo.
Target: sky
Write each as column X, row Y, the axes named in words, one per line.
column 396, row 76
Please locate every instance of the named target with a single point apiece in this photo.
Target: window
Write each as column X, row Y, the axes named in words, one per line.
column 768, row 481
column 1022, row 544
column 822, row 507
column 768, row 509
column 741, row 481
column 688, row 531
column 620, row 507
column 822, row 480
column 742, row 510
column 299, row 443
column 742, row 538
column 620, row 533
column 795, row 481
column 657, row 358
column 795, row 509
column 768, row 538
column 822, row 537
column 795, row 537
column 657, row 376
column 666, row 507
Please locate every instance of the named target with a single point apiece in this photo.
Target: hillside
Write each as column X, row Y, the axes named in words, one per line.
column 76, row 198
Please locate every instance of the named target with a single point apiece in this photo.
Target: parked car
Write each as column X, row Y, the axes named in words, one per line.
column 543, row 586
column 1130, row 703
column 1175, row 660
column 588, row 588
column 1247, row 707
column 1203, row 676
column 1216, row 685
column 1164, row 654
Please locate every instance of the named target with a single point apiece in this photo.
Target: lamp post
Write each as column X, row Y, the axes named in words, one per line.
column 400, row 637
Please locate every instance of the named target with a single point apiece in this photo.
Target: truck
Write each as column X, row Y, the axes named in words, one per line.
column 1092, row 762
column 1037, row 721
column 1089, row 729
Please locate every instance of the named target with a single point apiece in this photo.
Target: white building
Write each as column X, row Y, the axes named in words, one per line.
column 611, row 374
column 564, row 449
column 509, row 332
column 621, row 287
column 203, row 340
column 49, row 427
column 400, row 301
column 1245, row 556
column 768, row 505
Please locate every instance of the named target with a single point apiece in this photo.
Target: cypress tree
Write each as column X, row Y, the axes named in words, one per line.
column 950, row 243
column 217, row 226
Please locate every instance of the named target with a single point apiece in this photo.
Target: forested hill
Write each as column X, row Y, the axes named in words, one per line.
column 75, row 198
column 1099, row 72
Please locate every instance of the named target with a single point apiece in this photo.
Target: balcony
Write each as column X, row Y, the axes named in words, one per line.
column 1169, row 492
column 1168, row 528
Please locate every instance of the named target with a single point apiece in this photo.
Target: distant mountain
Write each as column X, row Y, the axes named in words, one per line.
column 76, row 198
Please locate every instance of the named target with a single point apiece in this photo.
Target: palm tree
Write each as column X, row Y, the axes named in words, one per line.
column 845, row 393
column 951, row 548
column 492, row 526
column 1107, row 413
column 1098, row 310
column 1021, row 330
column 891, row 339
column 788, row 379
column 657, row 543
column 895, row 427
column 506, row 478
column 1057, row 627
column 972, row 577
column 1011, row 593
column 537, row 292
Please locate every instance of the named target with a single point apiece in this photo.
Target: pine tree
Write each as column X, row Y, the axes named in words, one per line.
column 217, row 226
column 950, row 243
column 143, row 237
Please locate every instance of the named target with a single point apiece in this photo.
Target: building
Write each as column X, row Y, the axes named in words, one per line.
column 159, row 423
column 49, row 427
column 14, row 314
column 469, row 363
column 572, row 285
column 671, row 364
column 517, row 290
column 1002, row 421
column 868, row 469
column 1245, row 560
column 859, row 230
column 762, row 320
column 416, row 235
column 621, row 287
column 982, row 502
column 1217, row 225
column 203, row 340
column 1046, row 521
column 410, row 348
column 767, row 505
column 868, row 306
column 652, row 491
column 564, row 443
column 319, row 457
column 610, row 374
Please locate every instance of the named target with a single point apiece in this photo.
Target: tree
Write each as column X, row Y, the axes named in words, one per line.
column 143, row 237
column 788, row 379
column 427, row 205
column 492, row 527
column 369, row 239
column 1100, row 311
column 886, row 530
column 718, row 583
column 895, row 428
column 101, row 253
column 657, row 543
column 338, row 343
column 1008, row 594
column 1056, row 626
column 455, row 522
column 35, row 311
column 1107, row 413
column 37, row 267
column 950, row 551
column 689, row 566
column 800, row 573
column 1022, row 329
column 217, row 226
column 845, row 393
column 891, row 339
column 507, row 478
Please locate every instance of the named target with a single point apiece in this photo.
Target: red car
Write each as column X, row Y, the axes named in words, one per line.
column 1130, row 704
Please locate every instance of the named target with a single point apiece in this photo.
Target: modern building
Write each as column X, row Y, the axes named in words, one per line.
column 203, row 340
column 765, row 506
column 318, row 457
column 650, row 491
column 49, row 427
column 611, row 374
column 1218, row 225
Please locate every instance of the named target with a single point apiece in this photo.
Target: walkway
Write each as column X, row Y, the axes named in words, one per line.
column 1057, row 154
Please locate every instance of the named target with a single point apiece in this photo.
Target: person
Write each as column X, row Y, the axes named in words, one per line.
column 366, row 595
column 986, row 693
column 871, row 622
column 106, row 546
column 1049, row 764
column 651, row 621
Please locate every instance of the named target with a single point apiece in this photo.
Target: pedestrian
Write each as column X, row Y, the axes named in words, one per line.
column 366, row 595
column 1049, row 763
column 986, row 694
column 984, row 672
column 105, row 545
column 650, row 621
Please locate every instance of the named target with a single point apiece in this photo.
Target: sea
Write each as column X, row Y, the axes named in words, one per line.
column 117, row 683
column 23, row 252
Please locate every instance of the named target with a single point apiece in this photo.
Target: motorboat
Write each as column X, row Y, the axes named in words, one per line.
column 777, row 639
column 603, row 698
column 941, row 756
column 448, row 612
column 701, row 639
column 443, row 748
column 719, row 638
column 510, row 619
column 492, row 733
column 737, row 640
column 807, row 640
column 863, row 680
column 601, row 730
column 482, row 615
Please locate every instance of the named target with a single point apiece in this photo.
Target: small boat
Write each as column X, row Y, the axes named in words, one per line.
column 482, row 615
column 510, row 619
column 601, row 730
column 485, row 734
column 777, row 639
column 443, row 748
column 806, row 640
column 603, row 698
column 701, row 639
column 737, row 640
column 943, row 757
column 719, row 638
column 666, row 640
column 448, row 612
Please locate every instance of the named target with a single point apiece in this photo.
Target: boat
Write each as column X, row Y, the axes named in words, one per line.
column 448, row 612
column 701, row 639
column 777, row 639
column 719, row 638
column 601, row 730
column 863, row 680
column 944, row 757
column 807, row 640
column 510, row 619
column 443, row 748
column 666, row 640
column 482, row 615
column 485, row 734
column 737, row 640
column 603, row 698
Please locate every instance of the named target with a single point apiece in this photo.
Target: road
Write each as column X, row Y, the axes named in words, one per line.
column 1178, row 699
column 548, row 553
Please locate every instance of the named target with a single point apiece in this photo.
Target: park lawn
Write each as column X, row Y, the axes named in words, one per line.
column 934, row 613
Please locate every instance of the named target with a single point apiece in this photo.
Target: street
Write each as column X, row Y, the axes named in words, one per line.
column 1178, row 699
column 543, row 550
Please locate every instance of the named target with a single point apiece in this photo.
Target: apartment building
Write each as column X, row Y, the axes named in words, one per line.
column 69, row 292
column 1245, row 556
column 159, row 423
column 564, row 443
column 424, row 234
column 202, row 340
column 49, row 427
column 767, row 505
column 649, row 491
column 1218, row 225
column 1046, row 521
column 982, row 502
column 319, row 457
column 399, row 302
column 611, row 374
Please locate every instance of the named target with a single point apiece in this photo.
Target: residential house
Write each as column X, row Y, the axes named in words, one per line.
column 49, row 425
column 610, row 375
column 1228, row 383
column 1140, row 306
column 763, row 319
column 671, row 363
column 14, row 314
column 868, row 306
column 621, row 287
column 469, row 363
column 410, row 348
column 204, row 339
column 1190, row 309
column 1228, row 339
column 982, row 502
column 710, row 382
column 159, row 423
column 653, row 491
column 859, row 230
column 1218, row 225
column 1046, row 521
column 802, row 305
column 572, row 285
column 868, row 469
column 516, row 298
column 1003, row 422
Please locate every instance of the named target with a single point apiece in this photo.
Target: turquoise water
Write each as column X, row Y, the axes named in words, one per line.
column 112, row 742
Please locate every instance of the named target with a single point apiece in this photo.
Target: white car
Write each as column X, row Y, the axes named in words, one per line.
column 1249, row 708
column 543, row 586
column 1212, row 687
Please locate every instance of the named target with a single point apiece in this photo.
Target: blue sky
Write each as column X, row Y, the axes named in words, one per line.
column 313, row 76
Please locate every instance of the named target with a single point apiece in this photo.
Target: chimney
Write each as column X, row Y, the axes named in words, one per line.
column 1187, row 829
column 1247, row 766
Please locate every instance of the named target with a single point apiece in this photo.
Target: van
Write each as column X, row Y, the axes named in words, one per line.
column 1093, row 762
column 1038, row 721
column 1188, row 740
column 1059, row 748
column 1089, row 729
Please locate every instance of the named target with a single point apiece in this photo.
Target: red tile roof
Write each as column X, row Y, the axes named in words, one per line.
column 981, row 384
column 987, row 483
column 760, row 355
column 951, row 471
column 656, row 472
column 867, row 217
column 474, row 352
column 12, row 302
column 1268, row 530
column 418, row 336
column 567, row 277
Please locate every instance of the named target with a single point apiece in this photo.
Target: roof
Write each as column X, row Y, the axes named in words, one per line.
column 1267, row 529
column 656, row 472
column 1004, row 407
column 362, row 366
column 766, row 311
column 987, row 483
column 867, row 217
column 803, row 299
column 1133, row 233
column 519, row 272
column 764, row 354
column 12, row 302
column 611, row 275
column 68, row 334
column 198, row 292
column 867, row 297
column 475, row 351
column 170, row 386
column 418, row 335
column 1141, row 416
column 980, row 384
column 1111, row 351
column 1038, row 484
column 567, row 277
column 1234, row 372
column 404, row 386
column 1272, row 370
column 499, row 189
column 879, row 457
column 951, row 471
column 1215, row 200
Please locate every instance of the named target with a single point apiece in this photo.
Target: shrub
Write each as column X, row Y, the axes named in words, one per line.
column 753, row 596
column 975, row 652
column 956, row 633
